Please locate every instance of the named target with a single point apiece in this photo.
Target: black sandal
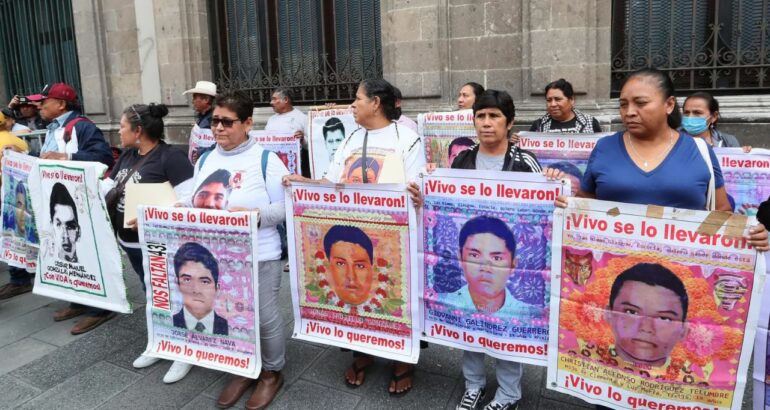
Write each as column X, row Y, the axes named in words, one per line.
column 394, row 379
column 357, row 371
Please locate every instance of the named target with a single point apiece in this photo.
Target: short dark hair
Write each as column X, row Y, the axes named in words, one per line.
column 347, row 233
column 488, row 224
column 220, row 176
column 652, row 274
column 21, row 189
column 333, row 124
column 477, row 88
column 371, row 163
column 461, row 142
column 377, row 87
column 195, row 252
column 61, row 196
column 712, row 102
column 149, row 117
column 285, row 92
column 496, row 99
column 568, row 168
column 666, row 86
column 237, row 102
column 560, row 84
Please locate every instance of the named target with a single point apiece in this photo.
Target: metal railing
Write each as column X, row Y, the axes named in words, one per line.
column 705, row 45
column 38, row 45
column 321, row 49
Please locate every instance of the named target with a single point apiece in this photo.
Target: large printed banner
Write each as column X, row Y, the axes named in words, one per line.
column 78, row 260
column 285, row 145
column 567, row 152
column 354, row 263
column 486, row 262
column 200, row 140
column 201, row 276
column 20, row 240
column 446, row 134
column 761, row 357
column 652, row 307
column 747, row 177
column 328, row 128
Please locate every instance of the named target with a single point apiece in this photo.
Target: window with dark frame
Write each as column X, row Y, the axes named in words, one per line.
column 38, row 45
column 719, row 46
column 321, row 49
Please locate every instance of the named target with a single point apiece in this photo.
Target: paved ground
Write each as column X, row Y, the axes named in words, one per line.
column 43, row 367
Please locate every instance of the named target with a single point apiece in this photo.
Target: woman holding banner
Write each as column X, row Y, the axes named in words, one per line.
column 146, row 159
column 701, row 113
column 650, row 162
column 364, row 157
column 561, row 115
column 241, row 176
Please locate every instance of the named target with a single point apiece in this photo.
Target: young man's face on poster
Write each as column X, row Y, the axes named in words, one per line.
column 66, row 232
column 351, row 272
column 647, row 322
column 487, row 263
column 211, row 196
column 198, row 288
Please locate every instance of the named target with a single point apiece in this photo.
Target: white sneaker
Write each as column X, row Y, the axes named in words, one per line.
column 176, row 372
column 145, row 361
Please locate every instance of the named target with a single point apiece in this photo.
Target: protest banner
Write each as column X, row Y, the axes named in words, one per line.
column 354, row 268
column 328, row 128
column 488, row 234
column 201, row 276
column 446, row 134
column 652, row 307
column 761, row 358
column 78, row 259
column 20, row 240
column 747, row 177
column 566, row 152
column 200, row 140
column 285, row 145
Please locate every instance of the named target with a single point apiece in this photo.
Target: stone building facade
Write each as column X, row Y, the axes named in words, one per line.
column 152, row 50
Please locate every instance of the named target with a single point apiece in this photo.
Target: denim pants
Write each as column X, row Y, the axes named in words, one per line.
column 508, row 376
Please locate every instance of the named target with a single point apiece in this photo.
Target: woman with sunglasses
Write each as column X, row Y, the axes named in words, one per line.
column 146, row 159
column 230, row 176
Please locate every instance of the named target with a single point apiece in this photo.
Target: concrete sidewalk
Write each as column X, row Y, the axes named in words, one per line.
column 42, row 366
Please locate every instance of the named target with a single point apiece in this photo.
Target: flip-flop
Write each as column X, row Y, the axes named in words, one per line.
column 357, row 371
column 394, row 378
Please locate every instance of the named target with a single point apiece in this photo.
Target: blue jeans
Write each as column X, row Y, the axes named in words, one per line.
column 508, row 376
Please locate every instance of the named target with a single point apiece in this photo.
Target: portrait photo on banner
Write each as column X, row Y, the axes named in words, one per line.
column 328, row 129
column 747, row 178
column 487, row 267
column 201, row 294
column 445, row 135
column 354, row 272
column 654, row 318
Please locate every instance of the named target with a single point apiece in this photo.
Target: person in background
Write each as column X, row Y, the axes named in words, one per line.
column 203, row 95
column 403, row 120
column 288, row 118
column 11, row 123
column 28, row 108
column 468, row 94
column 701, row 114
column 561, row 115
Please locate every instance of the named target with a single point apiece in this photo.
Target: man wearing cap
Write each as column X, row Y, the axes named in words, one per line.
column 201, row 136
column 27, row 108
column 72, row 136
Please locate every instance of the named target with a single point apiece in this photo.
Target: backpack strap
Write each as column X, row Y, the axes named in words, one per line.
column 204, row 155
column 265, row 157
column 70, row 125
column 703, row 148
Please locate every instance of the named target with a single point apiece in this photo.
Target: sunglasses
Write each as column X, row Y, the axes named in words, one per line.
column 226, row 122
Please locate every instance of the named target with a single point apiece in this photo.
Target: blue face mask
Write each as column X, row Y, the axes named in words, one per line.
column 694, row 125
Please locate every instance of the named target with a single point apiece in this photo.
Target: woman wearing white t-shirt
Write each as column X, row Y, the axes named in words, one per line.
column 230, row 176
column 360, row 158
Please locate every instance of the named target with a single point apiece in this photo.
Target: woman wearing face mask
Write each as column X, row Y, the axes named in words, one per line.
column 701, row 113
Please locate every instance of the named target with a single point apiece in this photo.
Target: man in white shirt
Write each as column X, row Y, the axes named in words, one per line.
column 288, row 118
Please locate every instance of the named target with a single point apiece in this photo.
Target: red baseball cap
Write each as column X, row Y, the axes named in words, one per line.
column 60, row 91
